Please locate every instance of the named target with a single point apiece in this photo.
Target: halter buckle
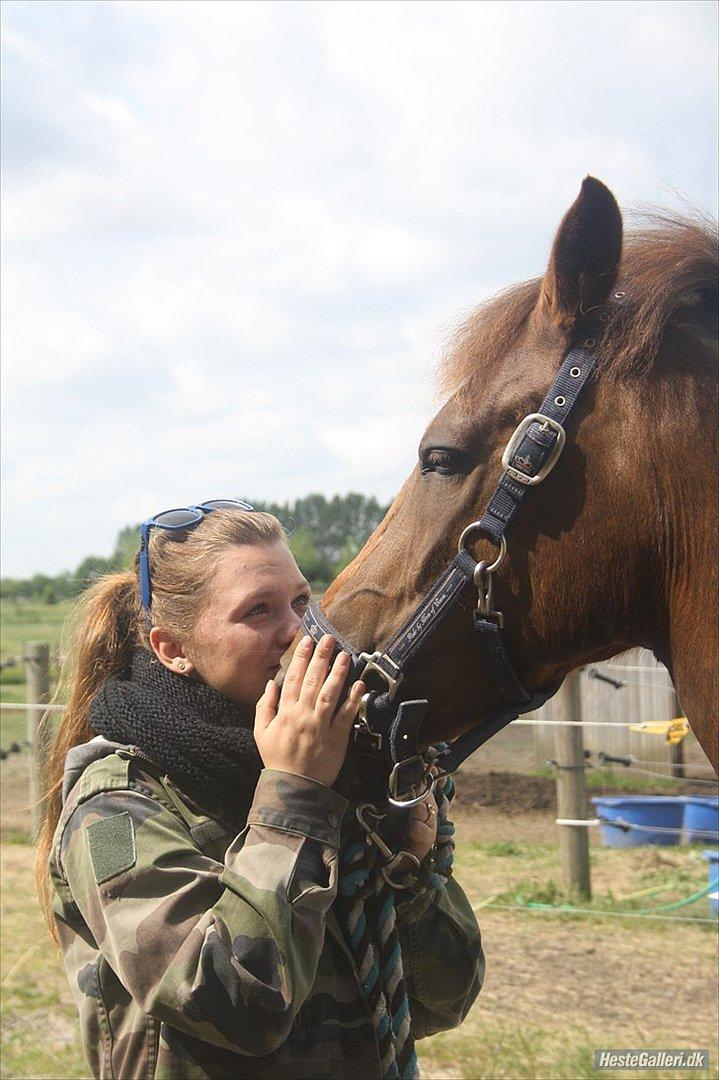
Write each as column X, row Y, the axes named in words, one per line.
column 512, row 446
column 426, row 776
column 372, row 663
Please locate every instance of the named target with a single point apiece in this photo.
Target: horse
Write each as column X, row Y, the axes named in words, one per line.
column 616, row 547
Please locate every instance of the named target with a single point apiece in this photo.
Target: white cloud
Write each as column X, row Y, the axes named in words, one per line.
column 19, row 44
column 236, row 234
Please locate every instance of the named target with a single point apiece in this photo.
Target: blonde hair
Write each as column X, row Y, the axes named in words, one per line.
column 108, row 624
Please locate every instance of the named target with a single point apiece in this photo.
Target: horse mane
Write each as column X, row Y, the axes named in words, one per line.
column 668, row 273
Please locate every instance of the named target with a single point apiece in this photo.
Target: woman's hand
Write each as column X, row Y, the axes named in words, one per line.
column 422, row 828
column 296, row 729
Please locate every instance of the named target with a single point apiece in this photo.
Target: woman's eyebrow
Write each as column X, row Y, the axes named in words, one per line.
column 248, row 601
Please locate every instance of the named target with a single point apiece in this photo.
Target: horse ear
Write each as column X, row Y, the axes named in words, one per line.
column 585, row 256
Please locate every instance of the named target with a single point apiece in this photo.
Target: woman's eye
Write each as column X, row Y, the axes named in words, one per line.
column 302, row 601
column 440, row 461
column 258, row 609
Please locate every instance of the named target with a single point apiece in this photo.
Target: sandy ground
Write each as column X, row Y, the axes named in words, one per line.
column 591, row 973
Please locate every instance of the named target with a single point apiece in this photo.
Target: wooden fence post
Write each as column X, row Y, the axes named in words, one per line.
column 571, row 789
column 36, row 659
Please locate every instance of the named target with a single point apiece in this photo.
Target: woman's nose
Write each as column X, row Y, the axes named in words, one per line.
column 289, row 630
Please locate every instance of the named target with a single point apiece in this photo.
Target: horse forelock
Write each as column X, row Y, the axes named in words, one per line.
column 669, row 269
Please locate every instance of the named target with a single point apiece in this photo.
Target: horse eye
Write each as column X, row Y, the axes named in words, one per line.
column 440, row 461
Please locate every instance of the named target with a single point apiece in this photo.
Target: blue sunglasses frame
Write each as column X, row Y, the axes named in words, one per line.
column 200, row 511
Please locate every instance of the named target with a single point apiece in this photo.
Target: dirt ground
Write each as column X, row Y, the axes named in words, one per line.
column 516, row 793
column 582, row 972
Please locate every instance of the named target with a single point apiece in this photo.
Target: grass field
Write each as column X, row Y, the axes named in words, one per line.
column 22, row 621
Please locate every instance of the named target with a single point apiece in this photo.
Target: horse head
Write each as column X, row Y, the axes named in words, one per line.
column 617, row 546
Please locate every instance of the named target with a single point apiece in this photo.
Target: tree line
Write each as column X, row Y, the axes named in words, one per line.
column 324, row 535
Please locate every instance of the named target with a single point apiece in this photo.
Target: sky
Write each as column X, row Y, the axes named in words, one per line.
column 236, row 234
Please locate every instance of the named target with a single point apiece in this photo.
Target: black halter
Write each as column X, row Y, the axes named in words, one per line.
column 391, row 731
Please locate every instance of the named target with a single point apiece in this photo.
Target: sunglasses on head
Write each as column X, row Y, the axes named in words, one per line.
column 185, row 517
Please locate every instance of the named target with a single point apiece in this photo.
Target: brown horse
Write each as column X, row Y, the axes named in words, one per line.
column 617, row 547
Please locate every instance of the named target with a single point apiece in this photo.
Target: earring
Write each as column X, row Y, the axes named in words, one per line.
column 181, row 665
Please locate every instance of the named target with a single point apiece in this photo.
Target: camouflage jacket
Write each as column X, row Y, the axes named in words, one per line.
column 194, row 953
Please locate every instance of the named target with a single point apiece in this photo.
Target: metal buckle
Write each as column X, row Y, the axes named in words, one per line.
column 371, row 664
column 429, row 779
column 519, row 433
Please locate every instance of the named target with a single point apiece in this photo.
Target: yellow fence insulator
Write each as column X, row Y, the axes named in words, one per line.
column 672, row 730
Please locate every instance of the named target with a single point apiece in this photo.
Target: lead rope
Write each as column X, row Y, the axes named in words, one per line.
column 366, row 910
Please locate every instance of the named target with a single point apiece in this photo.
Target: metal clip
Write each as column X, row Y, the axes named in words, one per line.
column 405, row 864
column 402, row 863
column 363, row 733
column 483, row 579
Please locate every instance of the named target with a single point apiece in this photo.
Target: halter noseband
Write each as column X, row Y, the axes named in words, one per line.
column 389, row 731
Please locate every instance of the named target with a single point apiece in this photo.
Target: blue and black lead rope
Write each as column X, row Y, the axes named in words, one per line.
column 366, row 905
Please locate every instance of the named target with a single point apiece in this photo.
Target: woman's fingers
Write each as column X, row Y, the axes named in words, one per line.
column 266, row 708
column 348, row 710
column 329, row 693
column 422, row 826
column 296, row 671
column 316, row 671
column 423, row 815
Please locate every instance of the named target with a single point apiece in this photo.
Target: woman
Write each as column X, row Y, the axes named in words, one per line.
column 193, row 865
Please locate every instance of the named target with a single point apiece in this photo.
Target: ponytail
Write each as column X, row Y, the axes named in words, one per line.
column 109, row 626
column 106, row 632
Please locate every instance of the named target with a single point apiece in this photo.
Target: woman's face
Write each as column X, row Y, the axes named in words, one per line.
column 257, row 599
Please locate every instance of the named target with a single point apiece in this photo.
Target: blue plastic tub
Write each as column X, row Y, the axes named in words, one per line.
column 701, row 819
column 712, row 858
column 651, row 813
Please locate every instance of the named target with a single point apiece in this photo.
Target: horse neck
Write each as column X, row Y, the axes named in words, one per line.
column 687, row 513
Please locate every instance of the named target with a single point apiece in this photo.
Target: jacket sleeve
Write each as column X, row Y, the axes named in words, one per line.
column 443, row 960
column 226, row 953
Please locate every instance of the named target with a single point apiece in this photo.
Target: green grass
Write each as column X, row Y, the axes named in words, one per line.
column 628, row 781
column 623, row 879
column 21, row 622
column 505, row 1049
column 618, row 778
column 30, row 621
column 40, row 1030
column 506, row 849
column 14, row 692
column 13, row 725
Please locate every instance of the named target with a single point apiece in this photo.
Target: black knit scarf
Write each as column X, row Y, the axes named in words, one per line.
column 200, row 738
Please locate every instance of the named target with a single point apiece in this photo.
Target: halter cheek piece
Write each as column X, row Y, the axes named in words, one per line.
column 389, row 732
